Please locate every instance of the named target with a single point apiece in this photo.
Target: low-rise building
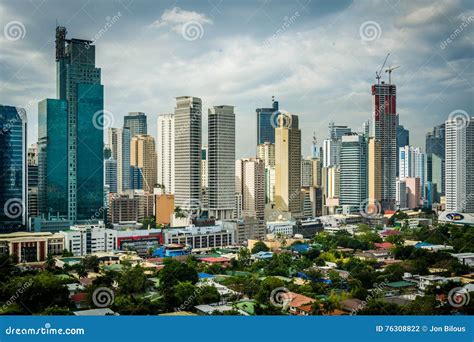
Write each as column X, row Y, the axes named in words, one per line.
column 281, row 227
column 31, row 247
column 465, row 258
column 200, row 237
column 89, row 238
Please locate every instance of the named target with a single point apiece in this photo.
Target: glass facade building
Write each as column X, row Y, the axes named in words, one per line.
column 136, row 122
column 13, row 169
column 71, row 133
column 265, row 126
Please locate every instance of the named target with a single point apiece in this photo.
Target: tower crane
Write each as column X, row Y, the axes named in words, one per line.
column 389, row 70
column 378, row 74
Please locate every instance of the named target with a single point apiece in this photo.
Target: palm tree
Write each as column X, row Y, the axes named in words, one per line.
column 50, row 263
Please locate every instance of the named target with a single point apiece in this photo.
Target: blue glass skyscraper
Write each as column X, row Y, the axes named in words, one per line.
column 265, row 127
column 81, row 155
column 13, row 169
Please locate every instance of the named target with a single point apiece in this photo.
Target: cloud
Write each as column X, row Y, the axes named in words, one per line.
column 175, row 18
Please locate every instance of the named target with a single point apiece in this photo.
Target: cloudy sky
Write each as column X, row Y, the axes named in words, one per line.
column 318, row 58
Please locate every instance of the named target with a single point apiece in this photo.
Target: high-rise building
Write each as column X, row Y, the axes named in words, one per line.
column 187, row 153
column 435, row 153
column 266, row 152
column 331, row 152
column 413, row 192
column 78, row 84
column 111, row 174
column 265, row 126
column 250, row 184
column 353, row 192
column 166, row 152
column 374, row 176
column 460, row 165
column 385, row 130
column 52, row 164
column 221, row 161
column 119, row 142
column 330, row 183
column 403, row 139
column 13, row 169
column 143, row 156
column 412, row 164
column 306, row 173
column 288, row 164
column 136, row 122
column 33, row 209
column 336, row 132
column 205, row 167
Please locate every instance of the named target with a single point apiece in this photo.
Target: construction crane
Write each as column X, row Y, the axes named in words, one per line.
column 378, row 74
column 389, row 70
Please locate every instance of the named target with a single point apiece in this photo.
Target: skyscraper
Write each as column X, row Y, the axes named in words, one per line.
column 52, row 164
column 143, row 156
column 111, row 174
column 412, row 164
column 187, row 153
column 250, row 184
column 119, row 141
column 435, row 153
column 385, row 130
column 205, row 167
column 221, row 149
column 13, row 169
column 335, row 132
column 265, row 126
column 374, row 176
column 136, row 122
column 403, row 139
column 288, row 164
column 353, row 179
column 78, row 81
column 460, row 165
column 166, row 152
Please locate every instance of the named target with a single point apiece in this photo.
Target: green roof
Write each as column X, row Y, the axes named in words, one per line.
column 248, row 306
column 401, row 283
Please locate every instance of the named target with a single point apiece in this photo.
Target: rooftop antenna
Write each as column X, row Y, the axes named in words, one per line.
column 378, row 74
column 273, row 98
column 389, row 70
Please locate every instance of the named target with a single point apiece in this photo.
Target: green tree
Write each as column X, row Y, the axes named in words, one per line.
column 132, row 280
column 208, row 295
column 259, row 247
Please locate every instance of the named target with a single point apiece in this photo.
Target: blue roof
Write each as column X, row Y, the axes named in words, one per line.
column 202, row 275
column 301, row 247
column 423, row 244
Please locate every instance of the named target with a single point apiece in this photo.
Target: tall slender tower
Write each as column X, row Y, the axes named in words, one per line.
column 79, row 84
column 460, row 165
column 385, row 130
column 119, row 142
column 136, row 122
column 166, row 152
column 187, row 152
column 221, row 162
column 288, row 164
column 143, row 156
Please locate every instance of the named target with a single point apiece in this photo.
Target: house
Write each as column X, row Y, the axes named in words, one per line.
column 208, row 309
column 215, row 260
column 383, row 245
column 433, row 248
column 465, row 258
column 430, row 280
column 96, row 312
column 378, row 255
column 262, row 255
column 389, row 232
column 299, row 305
column 351, row 305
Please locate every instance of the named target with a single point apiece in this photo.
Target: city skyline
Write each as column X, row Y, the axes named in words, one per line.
column 216, row 70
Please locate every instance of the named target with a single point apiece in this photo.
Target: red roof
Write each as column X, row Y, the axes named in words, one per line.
column 79, row 297
column 390, row 232
column 214, row 259
column 383, row 245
